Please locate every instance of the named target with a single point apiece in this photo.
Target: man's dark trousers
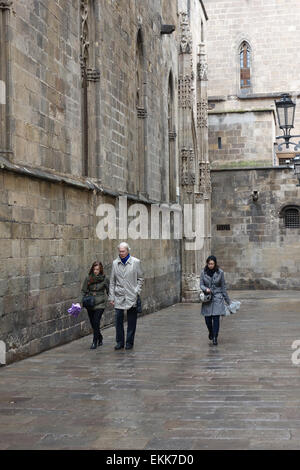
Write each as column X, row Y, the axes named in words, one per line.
column 131, row 325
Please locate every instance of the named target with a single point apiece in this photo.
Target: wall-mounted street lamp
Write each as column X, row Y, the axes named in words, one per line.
column 285, row 109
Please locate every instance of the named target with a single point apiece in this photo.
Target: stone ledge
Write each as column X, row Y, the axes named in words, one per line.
column 48, row 176
column 217, row 98
column 241, row 111
column 255, row 96
column 80, row 183
column 279, row 167
column 250, row 96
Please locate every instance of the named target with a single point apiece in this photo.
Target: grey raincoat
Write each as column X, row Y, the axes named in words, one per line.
column 126, row 282
column 219, row 293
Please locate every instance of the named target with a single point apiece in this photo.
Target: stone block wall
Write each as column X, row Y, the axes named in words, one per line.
column 274, row 38
column 45, row 84
column 48, row 243
column 258, row 252
column 244, row 138
column 47, row 205
column 46, row 88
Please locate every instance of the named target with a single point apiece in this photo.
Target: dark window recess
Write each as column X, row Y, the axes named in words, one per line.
column 219, row 143
column 245, row 53
column 283, row 161
column 223, row 227
column 292, row 218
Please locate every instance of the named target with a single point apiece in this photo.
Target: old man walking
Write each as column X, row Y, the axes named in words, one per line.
column 125, row 285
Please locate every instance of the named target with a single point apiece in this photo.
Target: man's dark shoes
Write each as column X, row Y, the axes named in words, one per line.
column 129, row 346
column 119, row 346
column 94, row 345
column 215, row 342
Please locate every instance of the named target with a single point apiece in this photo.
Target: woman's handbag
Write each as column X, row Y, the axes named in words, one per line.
column 204, row 297
column 88, row 301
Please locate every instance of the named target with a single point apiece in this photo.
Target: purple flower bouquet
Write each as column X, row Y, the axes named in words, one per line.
column 75, row 310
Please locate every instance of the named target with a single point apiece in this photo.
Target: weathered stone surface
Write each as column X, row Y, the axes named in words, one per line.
column 44, row 264
column 117, row 122
column 174, row 390
column 246, row 137
column 239, row 134
column 258, row 252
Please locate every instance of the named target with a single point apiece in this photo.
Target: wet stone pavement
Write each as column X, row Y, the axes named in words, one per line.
column 174, row 390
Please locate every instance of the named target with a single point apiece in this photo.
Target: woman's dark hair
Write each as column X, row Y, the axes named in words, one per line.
column 212, row 258
column 96, row 263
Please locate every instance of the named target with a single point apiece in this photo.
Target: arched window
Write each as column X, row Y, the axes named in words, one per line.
column 5, row 40
column 292, row 218
column 140, row 183
column 139, row 70
column 202, row 31
column 89, row 92
column 172, row 137
column 245, row 65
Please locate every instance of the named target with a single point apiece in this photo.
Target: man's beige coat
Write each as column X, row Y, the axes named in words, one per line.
column 126, row 282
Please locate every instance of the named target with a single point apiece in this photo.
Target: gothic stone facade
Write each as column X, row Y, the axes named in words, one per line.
column 257, row 241
column 257, row 42
column 254, row 245
column 89, row 112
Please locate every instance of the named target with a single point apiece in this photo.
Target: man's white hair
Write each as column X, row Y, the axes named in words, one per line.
column 124, row 245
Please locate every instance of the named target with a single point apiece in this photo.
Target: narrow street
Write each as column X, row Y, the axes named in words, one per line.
column 175, row 390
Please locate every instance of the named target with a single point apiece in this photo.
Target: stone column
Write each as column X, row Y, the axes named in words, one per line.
column 204, row 188
column 193, row 154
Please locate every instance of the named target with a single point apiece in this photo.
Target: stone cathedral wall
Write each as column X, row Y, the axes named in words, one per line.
column 47, row 206
column 48, row 243
column 256, row 250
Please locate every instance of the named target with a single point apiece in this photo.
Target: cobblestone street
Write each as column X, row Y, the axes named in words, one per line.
column 175, row 390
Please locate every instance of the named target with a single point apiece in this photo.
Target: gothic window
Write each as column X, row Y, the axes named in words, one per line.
column 202, row 31
column 5, row 119
column 84, row 59
column 245, row 65
column 89, row 92
column 140, row 165
column 139, row 71
column 172, row 137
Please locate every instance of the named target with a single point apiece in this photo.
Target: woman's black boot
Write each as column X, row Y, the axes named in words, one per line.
column 100, row 342
column 94, row 345
column 215, row 342
column 210, row 335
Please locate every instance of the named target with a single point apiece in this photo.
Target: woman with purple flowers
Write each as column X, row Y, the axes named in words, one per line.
column 96, row 284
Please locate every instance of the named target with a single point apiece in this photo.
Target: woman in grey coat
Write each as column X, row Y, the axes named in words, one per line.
column 212, row 281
